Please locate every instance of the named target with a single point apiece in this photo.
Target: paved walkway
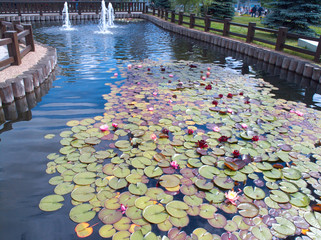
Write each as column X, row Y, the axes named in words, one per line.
column 28, row 62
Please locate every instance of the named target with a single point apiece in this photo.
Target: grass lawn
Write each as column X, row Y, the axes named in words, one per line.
column 258, row 34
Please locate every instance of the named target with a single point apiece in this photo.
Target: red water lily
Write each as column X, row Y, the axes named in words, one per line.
column 190, row 131
column 123, row 208
column 214, row 102
column 208, row 87
column 165, row 131
column 220, row 95
column 255, row 138
column 223, row 139
column 230, row 95
column 236, row 153
column 202, row 144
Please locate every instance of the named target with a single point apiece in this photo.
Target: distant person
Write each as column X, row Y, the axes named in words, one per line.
column 253, row 11
column 260, row 10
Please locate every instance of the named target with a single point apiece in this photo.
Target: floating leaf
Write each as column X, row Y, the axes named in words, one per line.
column 155, row 214
column 82, row 213
column 51, row 203
column 177, row 209
column 248, row 210
column 169, row 181
column 83, row 230
column 284, row 226
column 107, row 231
column 84, row 178
column 254, row 193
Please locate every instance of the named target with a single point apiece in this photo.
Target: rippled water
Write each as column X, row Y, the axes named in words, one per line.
column 84, row 62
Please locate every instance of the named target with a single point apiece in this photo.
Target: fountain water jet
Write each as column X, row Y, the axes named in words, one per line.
column 106, row 18
column 67, row 25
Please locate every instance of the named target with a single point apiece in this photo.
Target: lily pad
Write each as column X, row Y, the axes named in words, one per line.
column 83, row 194
column 155, row 214
column 169, row 181
column 254, row 193
column 284, row 226
column 84, row 178
column 82, row 213
column 248, row 210
column 177, row 209
column 51, row 203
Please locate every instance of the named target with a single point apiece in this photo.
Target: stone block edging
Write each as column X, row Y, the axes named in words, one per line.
column 279, row 59
column 17, row 88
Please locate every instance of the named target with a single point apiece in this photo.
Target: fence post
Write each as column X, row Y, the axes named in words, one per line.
column 192, row 20
column 41, row 9
column 144, row 7
column 153, row 11
column 180, row 18
column 129, row 6
column 14, row 24
column 3, row 29
column 78, row 4
column 13, row 48
column 158, row 12
column 318, row 52
column 250, row 32
column 226, row 28
column 29, row 37
column 166, row 14
column 207, row 23
column 173, row 17
column 162, row 13
column 280, row 41
column 19, row 9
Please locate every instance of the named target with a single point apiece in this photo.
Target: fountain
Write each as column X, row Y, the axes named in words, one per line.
column 67, row 25
column 107, row 18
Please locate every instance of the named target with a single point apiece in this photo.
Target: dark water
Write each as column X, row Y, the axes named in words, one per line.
column 84, row 59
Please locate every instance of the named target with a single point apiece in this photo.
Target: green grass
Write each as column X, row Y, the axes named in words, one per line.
column 243, row 30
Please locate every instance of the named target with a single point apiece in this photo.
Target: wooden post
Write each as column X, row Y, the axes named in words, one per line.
column 14, row 24
column 158, row 12
column 173, row 17
column 192, row 20
column 144, row 7
column 153, row 11
column 13, row 48
column 78, row 4
column 226, row 28
column 207, row 23
column 318, row 52
column 166, row 14
column 41, row 9
column 162, row 13
column 250, row 32
column 3, row 29
column 19, row 8
column 180, row 18
column 29, row 37
column 146, row 10
column 280, row 41
column 129, row 7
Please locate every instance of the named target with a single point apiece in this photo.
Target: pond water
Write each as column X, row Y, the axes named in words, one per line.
column 86, row 62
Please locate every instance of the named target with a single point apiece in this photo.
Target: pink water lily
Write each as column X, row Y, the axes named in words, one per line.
column 216, row 129
column 151, row 109
column 297, row 112
column 123, row 208
column 104, row 127
column 170, row 101
column 229, row 110
column 203, row 78
column 155, row 93
column 140, row 66
column 115, row 125
column 115, row 74
column 153, row 137
column 129, row 66
column 208, row 69
column 171, row 75
column 243, row 125
column 232, row 196
column 208, row 74
column 174, row 164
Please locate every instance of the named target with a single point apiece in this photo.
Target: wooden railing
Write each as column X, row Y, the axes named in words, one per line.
column 281, row 34
column 80, row 7
column 16, row 36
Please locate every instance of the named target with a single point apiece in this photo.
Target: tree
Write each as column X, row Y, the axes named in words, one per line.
column 165, row 4
column 222, row 9
column 296, row 15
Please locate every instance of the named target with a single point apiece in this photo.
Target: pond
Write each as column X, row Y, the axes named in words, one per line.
column 149, row 82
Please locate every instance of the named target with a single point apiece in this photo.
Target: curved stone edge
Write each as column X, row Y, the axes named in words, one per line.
column 16, row 88
column 279, row 59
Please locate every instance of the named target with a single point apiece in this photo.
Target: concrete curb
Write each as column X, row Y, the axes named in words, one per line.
column 278, row 59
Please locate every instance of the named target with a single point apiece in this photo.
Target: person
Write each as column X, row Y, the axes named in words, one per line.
column 260, row 10
column 253, row 11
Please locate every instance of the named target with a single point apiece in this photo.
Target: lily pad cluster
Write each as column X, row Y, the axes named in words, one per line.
column 191, row 151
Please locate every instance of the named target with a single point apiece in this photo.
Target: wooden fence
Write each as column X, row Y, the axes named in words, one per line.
column 16, row 36
column 281, row 34
column 80, row 7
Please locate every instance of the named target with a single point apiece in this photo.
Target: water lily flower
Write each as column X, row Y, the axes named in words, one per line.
column 202, row 144
column 208, row 74
column 229, row 110
column 138, row 83
column 140, row 66
column 208, row 87
column 155, row 93
column 174, row 164
column 123, row 208
column 129, row 66
column 215, row 102
column 190, row 131
column 104, row 127
column 203, row 78
column 236, row 153
column 297, row 112
column 148, row 69
column 153, row 136
column 223, row 139
column 232, row 196
column 220, row 95
column 115, row 74
column 208, row 69
column 170, row 101
column 171, row 75
column 216, row 129
column 151, row 109
column 247, row 102
column 243, row 125
column 115, row 125
column 241, row 93
column 255, row 138
column 165, row 131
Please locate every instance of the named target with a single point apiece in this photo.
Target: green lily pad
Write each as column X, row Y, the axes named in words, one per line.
column 169, row 181
column 288, row 187
column 208, row 171
column 140, row 162
column 273, row 174
column 313, row 218
column 291, row 173
column 203, row 184
column 215, row 196
column 262, row 233
column 83, row 194
column 299, row 199
column 207, row 211
column 107, row 231
column 82, row 213
column 117, row 183
column 248, row 210
column 138, row 188
column 218, row 221
column 155, row 214
column 110, row 216
column 153, row 171
column 121, row 172
column 51, row 203
column 64, row 188
column 202, row 234
column 84, row 178
column 279, row 196
column 179, row 222
column 284, row 226
column 177, row 209
column 254, row 193
column 224, row 182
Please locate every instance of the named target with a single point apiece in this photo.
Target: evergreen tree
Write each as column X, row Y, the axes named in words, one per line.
column 165, row 4
column 296, row 15
column 222, row 9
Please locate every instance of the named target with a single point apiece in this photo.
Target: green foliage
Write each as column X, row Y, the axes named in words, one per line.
column 296, row 15
column 221, row 9
column 165, row 4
